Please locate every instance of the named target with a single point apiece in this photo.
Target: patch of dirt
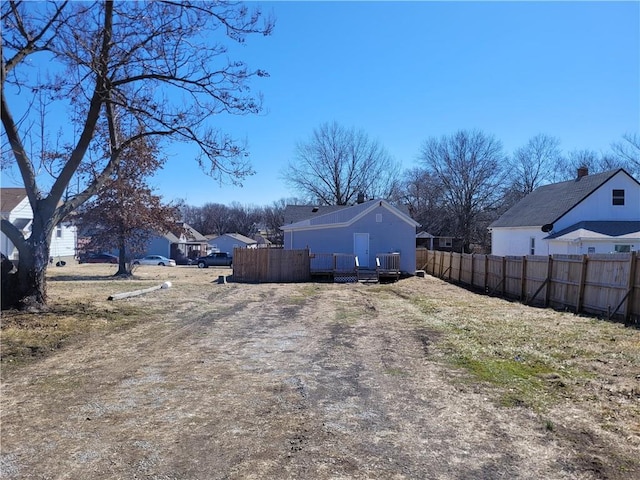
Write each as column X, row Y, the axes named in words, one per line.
column 288, row 381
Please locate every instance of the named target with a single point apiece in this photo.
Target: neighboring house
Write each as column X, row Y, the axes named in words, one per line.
column 431, row 242
column 184, row 242
column 298, row 213
column 592, row 214
column 229, row 241
column 364, row 229
column 262, row 241
column 15, row 207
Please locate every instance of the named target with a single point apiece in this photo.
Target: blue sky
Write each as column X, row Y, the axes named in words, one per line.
column 406, row 71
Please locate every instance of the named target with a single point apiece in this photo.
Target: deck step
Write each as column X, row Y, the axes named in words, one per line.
column 367, row 276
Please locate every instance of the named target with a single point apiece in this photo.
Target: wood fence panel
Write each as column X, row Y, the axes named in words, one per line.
column 536, row 280
column 456, row 266
column 513, row 276
column 270, row 265
column 479, row 271
column 606, row 283
column 466, row 265
column 439, row 263
column 564, row 291
column 495, row 274
column 421, row 258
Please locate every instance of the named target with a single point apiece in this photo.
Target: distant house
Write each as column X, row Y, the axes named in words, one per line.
column 597, row 213
column 184, row 242
column 262, row 241
column 364, row 230
column 16, row 209
column 228, row 241
column 443, row 243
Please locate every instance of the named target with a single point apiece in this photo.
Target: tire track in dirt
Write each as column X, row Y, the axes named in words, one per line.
column 266, row 381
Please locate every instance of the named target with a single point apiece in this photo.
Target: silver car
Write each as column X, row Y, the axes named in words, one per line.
column 155, row 260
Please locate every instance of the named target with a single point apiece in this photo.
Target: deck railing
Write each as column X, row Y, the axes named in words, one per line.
column 388, row 264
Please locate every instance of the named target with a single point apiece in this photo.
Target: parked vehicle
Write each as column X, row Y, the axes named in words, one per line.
column 97, row 258
column 155, row 260
column 215, row 259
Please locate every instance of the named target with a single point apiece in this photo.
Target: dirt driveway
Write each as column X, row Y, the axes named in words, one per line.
column 305, row 381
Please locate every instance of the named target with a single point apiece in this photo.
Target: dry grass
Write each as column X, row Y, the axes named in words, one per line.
column 465, row 368
column 79, row 306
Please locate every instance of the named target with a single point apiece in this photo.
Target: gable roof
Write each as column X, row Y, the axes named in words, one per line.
column 599, row 229
column 347, row 215
column 191, row 235
column 10, row 198
column 298, row 213
column 235, row 236
column 546, row 204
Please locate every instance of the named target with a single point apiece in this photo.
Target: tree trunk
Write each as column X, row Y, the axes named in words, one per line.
column 27, row 288
column 122, row 257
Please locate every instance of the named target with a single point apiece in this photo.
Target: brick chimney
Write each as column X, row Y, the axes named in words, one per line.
column 583, row 171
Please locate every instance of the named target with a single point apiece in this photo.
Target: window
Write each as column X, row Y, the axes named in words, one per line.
column 378, row 218
column 445, row 242
column 622, row 248
column 532, row 246
column 618, row 197
column 59, row 231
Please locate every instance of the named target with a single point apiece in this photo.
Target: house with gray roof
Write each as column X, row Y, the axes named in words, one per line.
column 597, row 213
column 228, row 241
column 365, row 230
column 183, row 243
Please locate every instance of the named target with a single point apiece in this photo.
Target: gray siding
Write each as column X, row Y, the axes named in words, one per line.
column 226, row 244
column 391, row 235
column 158, row 246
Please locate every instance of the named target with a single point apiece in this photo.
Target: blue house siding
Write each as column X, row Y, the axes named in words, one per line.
column 226, row 244
column 159, row 246
column 391, row 234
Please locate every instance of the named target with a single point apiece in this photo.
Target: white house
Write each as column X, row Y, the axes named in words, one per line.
column 597, row 213
column 15, row 207
column 364, row 229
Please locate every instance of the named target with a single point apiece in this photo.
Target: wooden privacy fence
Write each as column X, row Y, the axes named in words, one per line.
column 601, row 284
column 270, row 265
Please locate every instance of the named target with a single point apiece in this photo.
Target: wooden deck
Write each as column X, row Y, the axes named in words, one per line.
column 345, row 268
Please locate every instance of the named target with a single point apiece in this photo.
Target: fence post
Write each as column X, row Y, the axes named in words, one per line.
column 583, row 278
column 633, row 265
column 549, row 273
column 441, row 275
column 504, row 275
column 523, row 279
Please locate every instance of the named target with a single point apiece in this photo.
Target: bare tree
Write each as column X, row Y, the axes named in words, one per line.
column 423, row 195
column 126, row 213
column 592, row 160
column 469, row 166
column 627, row 152
column 156, row 69
column 336, row 164
column 534, row 164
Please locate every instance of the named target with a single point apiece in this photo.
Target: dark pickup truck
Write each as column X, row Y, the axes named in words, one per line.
column 216, row 259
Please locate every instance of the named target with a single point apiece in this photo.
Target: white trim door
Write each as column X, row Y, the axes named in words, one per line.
column 361, row 248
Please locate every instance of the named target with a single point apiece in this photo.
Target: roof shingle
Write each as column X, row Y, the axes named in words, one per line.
column 546, row 204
